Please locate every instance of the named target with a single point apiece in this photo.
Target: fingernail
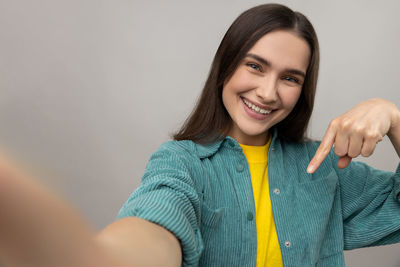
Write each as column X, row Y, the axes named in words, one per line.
column 310, row 169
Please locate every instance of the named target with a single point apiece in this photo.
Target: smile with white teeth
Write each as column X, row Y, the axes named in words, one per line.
column 256, row 108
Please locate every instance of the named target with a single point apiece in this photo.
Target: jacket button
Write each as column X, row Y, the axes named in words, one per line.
column 277, row 191
column 239, row 167
column 287, row 244
column 250, row 216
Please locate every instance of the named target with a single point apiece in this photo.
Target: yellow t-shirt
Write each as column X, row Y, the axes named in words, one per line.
column 268, row 250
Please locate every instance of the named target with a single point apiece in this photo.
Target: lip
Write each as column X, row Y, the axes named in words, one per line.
column 251, row 113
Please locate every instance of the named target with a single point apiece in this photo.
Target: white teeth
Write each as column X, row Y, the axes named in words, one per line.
column 256, row 108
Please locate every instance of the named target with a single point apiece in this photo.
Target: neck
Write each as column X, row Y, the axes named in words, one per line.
column 257, row 140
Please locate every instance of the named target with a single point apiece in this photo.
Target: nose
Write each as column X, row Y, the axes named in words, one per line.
column 267, row 91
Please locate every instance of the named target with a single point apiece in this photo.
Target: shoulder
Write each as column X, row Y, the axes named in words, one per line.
column 184, row 155
column 180, row 147
column 173, row 153
column 189, row 148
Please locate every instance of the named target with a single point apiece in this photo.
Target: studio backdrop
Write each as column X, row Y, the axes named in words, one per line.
column 89, row 89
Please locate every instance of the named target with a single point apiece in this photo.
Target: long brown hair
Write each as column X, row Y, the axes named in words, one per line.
column 209, row 119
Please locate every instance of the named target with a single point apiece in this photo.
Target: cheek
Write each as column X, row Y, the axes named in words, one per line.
column 290, row 97
column 232, row 88
column 224, row 97
column 240, row 81
column 227, row 97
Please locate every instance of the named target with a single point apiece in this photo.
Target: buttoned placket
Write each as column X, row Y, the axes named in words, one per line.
column 277, row 192
column 241, row 171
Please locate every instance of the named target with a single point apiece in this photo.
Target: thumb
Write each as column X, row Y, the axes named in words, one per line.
column 344, row 161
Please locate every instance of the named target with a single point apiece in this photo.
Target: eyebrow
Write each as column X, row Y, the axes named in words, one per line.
column 265, row 62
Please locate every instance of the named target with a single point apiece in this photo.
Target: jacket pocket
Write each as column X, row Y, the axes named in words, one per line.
column 320, row 211
column 336, row 259
column 211, row 217
column 215, row 237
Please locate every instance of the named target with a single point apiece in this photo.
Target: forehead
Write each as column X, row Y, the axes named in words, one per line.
column 283, row 49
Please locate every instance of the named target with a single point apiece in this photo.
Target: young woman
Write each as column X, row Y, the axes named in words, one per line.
column 240, row 185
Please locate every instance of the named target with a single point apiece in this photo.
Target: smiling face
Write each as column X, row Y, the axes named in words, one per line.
column 265, row 86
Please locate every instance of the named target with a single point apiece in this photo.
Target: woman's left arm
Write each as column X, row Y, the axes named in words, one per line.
column 357, row 132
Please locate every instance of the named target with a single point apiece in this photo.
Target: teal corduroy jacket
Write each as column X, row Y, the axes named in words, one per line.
column 203, row 194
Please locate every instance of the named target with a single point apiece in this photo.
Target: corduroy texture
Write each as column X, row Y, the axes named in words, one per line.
column 203, row 194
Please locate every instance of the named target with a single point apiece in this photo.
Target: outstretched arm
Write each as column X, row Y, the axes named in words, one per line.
column 357, row 132
column 39, row 229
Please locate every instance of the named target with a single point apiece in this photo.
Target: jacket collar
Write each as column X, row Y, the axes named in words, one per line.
column 208, row 150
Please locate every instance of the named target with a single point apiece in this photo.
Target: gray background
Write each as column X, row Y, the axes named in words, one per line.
column 89, row 89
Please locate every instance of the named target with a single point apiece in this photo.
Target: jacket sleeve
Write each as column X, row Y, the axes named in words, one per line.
column 370, row 205
column 167, row 196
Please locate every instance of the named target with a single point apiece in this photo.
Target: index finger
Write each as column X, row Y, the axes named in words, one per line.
column 323, row 150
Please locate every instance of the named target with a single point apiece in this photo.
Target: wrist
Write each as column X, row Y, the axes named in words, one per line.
column 395, row 121
column 394, row 131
